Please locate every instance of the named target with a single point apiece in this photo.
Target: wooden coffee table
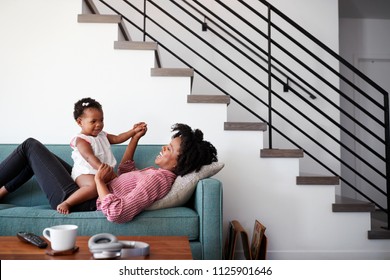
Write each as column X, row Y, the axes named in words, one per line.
column 161, row 248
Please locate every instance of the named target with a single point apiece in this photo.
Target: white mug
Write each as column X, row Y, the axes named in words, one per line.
column 61, row 237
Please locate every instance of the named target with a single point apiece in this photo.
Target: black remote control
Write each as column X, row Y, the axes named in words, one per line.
column 32, row 238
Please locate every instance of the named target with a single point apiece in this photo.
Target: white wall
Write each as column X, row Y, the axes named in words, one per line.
column 49, row 61
column 363, row 36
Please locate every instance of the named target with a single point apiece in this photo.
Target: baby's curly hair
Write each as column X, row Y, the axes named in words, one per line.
column 194, row 151
column 83, row 104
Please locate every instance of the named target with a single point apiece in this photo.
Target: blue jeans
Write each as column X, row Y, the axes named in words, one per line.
column 51, row 172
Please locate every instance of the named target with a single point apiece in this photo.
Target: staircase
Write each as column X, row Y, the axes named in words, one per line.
column 340, row 205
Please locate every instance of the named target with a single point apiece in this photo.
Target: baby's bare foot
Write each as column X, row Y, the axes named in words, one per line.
column 63, row 208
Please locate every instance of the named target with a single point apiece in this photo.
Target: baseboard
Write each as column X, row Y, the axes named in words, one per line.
column 330, row 255
column 323, row 255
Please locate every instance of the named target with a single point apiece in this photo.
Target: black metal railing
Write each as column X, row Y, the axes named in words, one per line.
column 258, row 40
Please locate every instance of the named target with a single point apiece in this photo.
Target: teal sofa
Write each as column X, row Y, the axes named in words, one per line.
column 200, row 219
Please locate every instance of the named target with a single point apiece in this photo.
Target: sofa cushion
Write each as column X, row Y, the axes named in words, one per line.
column 180, row 221
column 184, row 186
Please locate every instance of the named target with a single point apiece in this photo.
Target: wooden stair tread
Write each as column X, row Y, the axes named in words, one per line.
column 203, row 98
column 281, row 153
column 318, row 180
column 93, row 18
column 172, row 72
column 133, row 45
column 379, row 234
column 346, row 204
column 245, row 126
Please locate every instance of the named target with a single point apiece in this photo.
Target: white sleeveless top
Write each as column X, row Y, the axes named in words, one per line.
column 101, row 148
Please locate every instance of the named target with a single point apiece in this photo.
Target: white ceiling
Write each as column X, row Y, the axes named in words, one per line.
column 377, row 9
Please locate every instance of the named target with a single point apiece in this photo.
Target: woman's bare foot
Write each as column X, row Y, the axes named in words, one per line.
column 63, row 208
column 3, row 192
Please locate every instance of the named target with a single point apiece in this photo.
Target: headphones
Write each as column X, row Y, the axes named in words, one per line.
column 107, row 246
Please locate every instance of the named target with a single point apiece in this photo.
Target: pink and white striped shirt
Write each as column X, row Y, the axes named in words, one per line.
column 133, row 191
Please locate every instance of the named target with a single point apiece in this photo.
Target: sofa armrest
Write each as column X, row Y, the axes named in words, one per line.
column 208, row 200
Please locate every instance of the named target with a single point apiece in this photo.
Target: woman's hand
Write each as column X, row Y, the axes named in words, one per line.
column 105, row 173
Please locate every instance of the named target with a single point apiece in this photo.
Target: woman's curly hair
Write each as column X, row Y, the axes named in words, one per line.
column 194, row 151
column 83, row 104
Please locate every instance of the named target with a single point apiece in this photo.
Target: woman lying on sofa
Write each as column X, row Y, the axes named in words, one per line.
column 130, row 192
